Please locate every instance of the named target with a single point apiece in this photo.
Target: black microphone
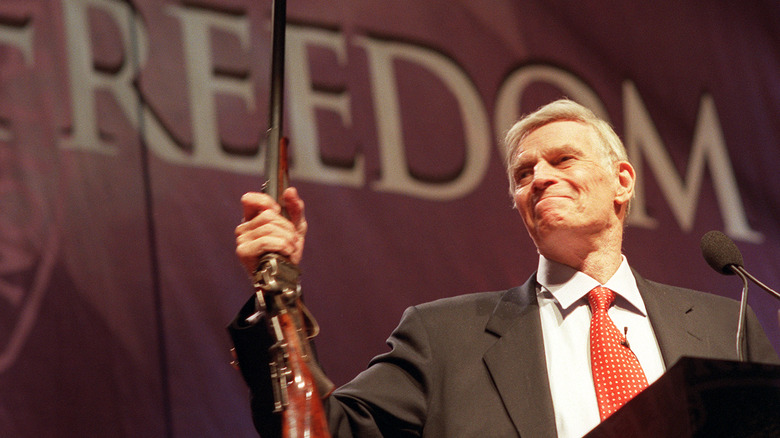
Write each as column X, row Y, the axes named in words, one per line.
column 722, row 254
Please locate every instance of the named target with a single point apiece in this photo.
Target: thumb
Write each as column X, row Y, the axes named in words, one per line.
column 295, row 209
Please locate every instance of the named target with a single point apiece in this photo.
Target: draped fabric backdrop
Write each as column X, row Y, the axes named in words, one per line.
column 130, row 129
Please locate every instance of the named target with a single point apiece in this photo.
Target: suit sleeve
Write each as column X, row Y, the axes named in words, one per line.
column 389, row 398
column 251, row 343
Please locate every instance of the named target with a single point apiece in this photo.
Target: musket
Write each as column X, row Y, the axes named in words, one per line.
column 297, row 380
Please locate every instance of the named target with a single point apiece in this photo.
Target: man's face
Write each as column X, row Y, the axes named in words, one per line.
column 563, row 182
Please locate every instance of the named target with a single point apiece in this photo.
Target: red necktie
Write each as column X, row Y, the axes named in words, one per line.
column 617, row 374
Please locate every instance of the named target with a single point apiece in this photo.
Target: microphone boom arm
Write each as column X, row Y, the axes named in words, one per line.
column 740, row 270
column 743, row 303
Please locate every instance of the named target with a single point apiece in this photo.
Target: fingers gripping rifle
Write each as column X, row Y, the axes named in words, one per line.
column 297, row 380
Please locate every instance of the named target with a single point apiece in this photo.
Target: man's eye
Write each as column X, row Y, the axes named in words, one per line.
column 522, row 175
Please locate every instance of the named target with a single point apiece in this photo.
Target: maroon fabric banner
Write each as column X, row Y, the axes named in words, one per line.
column 129, row 130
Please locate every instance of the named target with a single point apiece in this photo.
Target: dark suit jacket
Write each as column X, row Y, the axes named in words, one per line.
column 474, row 365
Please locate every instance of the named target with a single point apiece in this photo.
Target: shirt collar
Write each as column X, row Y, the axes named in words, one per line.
column 568, row 286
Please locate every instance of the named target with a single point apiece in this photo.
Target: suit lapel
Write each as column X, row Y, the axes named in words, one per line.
column 673, row 320
column 517, row 364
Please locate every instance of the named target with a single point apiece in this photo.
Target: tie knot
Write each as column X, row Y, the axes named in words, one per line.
column 600, row 298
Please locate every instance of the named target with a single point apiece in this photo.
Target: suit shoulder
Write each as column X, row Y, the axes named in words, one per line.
column 479, row 301
column 690, row 295
column 477, row 306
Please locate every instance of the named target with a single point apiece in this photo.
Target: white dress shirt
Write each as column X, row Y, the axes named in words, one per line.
column 565, row 315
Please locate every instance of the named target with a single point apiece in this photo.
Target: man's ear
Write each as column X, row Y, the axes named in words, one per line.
column 626, row 180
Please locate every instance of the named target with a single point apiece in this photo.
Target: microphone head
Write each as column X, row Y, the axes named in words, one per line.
column 720, row 252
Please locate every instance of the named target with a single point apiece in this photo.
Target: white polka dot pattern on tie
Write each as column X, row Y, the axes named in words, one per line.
column 617, row 374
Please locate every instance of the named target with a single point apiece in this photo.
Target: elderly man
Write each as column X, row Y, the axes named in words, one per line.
column 533, row 360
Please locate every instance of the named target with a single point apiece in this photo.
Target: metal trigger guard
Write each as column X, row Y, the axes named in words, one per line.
column 278, row 288
column 277, row 274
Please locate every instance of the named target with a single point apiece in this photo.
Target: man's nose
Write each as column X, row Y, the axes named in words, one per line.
column 544, row 175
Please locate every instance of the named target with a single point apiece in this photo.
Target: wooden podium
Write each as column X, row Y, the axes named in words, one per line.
column 702, row 398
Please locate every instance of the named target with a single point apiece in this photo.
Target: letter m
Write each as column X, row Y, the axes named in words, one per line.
column 644, row 143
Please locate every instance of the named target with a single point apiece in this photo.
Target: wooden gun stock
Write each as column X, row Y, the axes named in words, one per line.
column 297, row 380
column 304, row 415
